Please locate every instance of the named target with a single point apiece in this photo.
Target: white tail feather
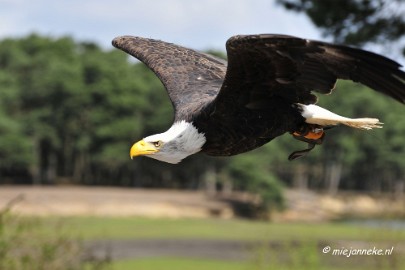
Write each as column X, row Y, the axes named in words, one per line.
column 320, row 116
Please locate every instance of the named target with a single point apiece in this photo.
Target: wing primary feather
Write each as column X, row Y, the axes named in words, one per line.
column 192, row 79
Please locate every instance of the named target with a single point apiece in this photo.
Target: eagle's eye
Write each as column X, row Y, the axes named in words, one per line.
column 157, row 144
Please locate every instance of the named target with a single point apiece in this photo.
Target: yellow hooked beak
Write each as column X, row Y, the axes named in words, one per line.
column 142, row 148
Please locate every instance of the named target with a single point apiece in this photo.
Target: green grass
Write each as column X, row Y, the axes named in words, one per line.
column 293, row 246
column 163, row 228
column 288, row 256
column 306, row 255
column 178, row 264
column 169, row 263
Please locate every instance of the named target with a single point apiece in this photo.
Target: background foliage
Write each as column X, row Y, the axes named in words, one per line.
column 357, row 22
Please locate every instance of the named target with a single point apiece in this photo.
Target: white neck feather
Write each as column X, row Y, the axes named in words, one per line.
column 179, row 141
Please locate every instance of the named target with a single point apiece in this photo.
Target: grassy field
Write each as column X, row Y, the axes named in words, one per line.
column 301, row 244
column 235, row 229
column 198, row 264
column 179, row 264
column 277, row 246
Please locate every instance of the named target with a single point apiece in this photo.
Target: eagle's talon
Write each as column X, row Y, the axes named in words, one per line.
column 310, row 134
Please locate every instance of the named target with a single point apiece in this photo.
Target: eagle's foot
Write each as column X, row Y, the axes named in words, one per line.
column 311, row 134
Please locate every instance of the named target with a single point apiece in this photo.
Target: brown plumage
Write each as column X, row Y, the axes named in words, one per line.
column 244, row 103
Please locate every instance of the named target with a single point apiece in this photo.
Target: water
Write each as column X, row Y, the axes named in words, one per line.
column 394, row 224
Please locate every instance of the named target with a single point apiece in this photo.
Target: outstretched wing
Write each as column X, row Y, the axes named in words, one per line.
column 190, row 77
column 262, row 67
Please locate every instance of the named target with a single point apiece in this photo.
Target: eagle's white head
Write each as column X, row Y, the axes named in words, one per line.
column 179, row 141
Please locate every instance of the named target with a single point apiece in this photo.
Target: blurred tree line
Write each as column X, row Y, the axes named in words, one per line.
column 70, row 112
column 357, row 22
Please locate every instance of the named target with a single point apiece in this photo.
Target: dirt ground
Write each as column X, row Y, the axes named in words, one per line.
column 111, row 201
column 301, row 205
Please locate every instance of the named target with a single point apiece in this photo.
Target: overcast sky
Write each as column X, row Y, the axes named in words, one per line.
column 204, row 24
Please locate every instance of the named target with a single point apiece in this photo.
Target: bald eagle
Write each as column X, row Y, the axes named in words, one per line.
column 263, row 91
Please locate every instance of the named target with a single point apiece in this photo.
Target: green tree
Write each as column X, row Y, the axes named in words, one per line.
column 60, row 95
column 355, row 22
